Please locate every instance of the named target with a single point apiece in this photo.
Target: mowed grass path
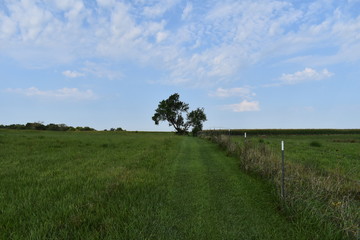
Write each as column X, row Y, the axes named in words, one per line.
column 212, row 199
column 132, row 186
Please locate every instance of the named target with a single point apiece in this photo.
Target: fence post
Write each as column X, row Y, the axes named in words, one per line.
column 282, row 170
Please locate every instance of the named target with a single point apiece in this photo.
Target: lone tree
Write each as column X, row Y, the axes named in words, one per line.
column 174, row 111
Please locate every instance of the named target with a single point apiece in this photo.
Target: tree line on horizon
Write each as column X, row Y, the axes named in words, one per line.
column 50, row 126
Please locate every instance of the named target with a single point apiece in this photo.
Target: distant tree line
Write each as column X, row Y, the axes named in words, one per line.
column 41, row 126
column 114, row 129
column 258, row 132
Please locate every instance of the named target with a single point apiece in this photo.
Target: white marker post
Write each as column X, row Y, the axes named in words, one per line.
column 245, row 136
column 282, row 171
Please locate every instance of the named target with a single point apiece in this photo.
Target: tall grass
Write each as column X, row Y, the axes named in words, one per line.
column 82, row 185
column 328, row 200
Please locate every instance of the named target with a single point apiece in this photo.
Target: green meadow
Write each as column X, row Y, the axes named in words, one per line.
column 335, row 153
column 122, row 185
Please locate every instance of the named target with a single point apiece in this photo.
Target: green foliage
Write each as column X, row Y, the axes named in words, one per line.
column 35, row 126
column 196, row 119
column 174, row 112
column 84, row 129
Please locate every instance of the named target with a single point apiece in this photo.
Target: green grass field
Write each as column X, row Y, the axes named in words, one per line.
column 339, row 154
column 105, row 185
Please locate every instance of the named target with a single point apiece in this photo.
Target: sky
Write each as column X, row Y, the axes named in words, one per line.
column 248, row 63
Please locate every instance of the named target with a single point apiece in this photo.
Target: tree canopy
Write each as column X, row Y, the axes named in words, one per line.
column 177, row 114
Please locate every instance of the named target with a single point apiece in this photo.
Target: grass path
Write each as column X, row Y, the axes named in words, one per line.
column 211, row 199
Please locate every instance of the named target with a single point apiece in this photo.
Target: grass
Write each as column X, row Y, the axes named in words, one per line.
column 320, row 185
column 339, row 154
column 315, row 144
column 96, row 185
column 79, row 185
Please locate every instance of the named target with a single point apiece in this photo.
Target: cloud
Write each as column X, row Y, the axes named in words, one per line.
column 226, row 39
column 59, row 94
column 244, row 106
column 211, row 50
column 73, row 74
column 161, row 36
column 187, row 11
column 308, row 74
column 7, row 27
column 159, row 8
column 101, row 70
column 201, row 43
column 233, row 92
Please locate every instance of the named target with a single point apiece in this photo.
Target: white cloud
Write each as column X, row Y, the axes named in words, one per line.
column 30, row 19
column 7, row 27
column 73, row 74
column 244, row 106
column 101, row 71
column 233, row 92
column 187, row 11
column 308, row 74
column 59, row 94
column 161, row 36
column 227, row 38
column 159, row 8
column 215, row 43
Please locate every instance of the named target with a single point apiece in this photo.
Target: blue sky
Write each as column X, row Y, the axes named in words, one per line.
column 249, row 63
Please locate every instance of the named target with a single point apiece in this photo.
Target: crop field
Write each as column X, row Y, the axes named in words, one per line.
column 337, row 153
column 108, row 185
